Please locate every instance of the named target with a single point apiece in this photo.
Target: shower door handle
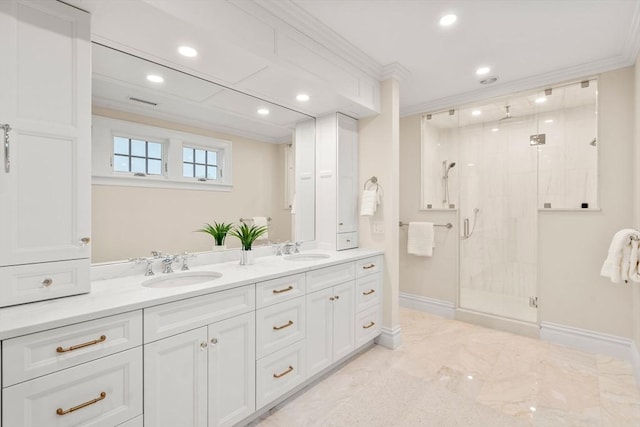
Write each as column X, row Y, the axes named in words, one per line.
column 7, row 161
column 466, row 228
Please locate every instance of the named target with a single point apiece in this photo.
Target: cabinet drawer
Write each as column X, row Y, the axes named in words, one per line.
column 279, row 325
column 104, row 392
column 34, row 355
column 367, row 266
column 169, row 319
column 36, row 282
column 329, row 276
column 136, row 422
column 368, row 325
column 279, row 373
column 347, row 241
column 368, row 291
column 280, row 289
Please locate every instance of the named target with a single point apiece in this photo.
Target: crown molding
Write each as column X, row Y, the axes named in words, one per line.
column 395, row 71
column 527, row 83
column 632, row 43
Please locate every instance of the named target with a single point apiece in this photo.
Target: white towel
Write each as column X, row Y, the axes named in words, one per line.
column 634, row 259
column 293, row 204
column 369, row 203
column 420, row 239
column 617, row 264
column 261, row 221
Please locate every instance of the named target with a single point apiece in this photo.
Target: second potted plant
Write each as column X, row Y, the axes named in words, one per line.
column 218, row 232
column 247, row 234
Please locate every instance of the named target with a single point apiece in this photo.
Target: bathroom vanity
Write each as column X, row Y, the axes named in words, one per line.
column 215, row 353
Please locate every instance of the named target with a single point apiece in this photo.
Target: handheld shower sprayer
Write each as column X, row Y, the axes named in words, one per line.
column 445, row 181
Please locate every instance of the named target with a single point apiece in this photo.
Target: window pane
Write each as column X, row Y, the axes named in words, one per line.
column 120, row 145
column 120, row 163
column 187, row 170
column 212, row 158
column 200, row 156
column 138, row 148
column 212, row 172
column 155, row 150
column 187, row 155
column 155, row 167
column 138, row 165
column 200, row 172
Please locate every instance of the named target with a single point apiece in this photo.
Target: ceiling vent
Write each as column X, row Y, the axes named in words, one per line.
column 153, row 104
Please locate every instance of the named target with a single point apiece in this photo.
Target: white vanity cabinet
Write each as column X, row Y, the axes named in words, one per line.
column 203, row 374
column 337, row 182
column 368, row 299
column 45, row 99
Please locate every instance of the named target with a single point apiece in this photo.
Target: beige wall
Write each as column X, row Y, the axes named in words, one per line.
column 131, row 221
column 636, row 193
column 379, row 156
column 571, row 245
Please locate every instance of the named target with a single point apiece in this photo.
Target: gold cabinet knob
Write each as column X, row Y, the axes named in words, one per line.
column 214, row 340
column 85, row 240
column 47, row 282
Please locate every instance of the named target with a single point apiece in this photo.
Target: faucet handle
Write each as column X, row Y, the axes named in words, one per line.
column 185, row 257
column 156, row 254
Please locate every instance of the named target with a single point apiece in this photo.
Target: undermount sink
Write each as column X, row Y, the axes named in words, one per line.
column 181, row 279
column 305, row 257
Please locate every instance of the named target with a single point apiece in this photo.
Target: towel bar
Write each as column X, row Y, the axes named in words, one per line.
column 448, row 225
column 251, row 219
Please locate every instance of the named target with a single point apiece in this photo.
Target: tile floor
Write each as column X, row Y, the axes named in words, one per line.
column 451, row 373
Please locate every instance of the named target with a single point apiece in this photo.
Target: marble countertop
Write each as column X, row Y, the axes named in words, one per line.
column 122, row 294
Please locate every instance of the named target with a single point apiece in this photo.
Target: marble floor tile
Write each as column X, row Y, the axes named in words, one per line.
column 450, row 373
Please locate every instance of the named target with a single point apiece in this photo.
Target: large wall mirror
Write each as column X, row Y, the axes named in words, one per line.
column 173, row 152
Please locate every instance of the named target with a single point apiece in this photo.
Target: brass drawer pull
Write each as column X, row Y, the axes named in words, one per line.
column 47, row 282
column 283, row 373
column 369, row 292
column 279, row 291
column 371, row 324
column 102, row 338
column 286, row 325
column 61, row 411
column 366, row 267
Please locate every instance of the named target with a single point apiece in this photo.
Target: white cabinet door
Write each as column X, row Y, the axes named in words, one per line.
column 45, row 96
column 347, row 174
column 232, row 363
column 343, row 320
column 319, row 330
column 175, row 380
column 305, row 187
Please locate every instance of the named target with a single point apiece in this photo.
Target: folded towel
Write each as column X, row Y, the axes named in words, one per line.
column 634, row 273
column 420, row 239
column 369, row 203
column 261, row 221
column 618, row 257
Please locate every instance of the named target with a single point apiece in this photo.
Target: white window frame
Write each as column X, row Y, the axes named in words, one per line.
column 105, row 129
column 220, row 157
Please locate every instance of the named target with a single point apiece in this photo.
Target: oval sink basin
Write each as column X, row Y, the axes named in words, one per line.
column 181, row 279
column 305, row 257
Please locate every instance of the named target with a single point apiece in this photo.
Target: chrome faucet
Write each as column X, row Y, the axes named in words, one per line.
column 184, row 257
column 148, row 268
column 167, row 262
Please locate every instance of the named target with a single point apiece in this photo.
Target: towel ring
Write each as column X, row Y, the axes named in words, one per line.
column 373, row 181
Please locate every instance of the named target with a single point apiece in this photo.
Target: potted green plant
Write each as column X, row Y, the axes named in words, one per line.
column 219, row 233
column 247, row 234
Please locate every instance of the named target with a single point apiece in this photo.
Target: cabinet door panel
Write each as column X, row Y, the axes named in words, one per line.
column 175, row 381
column 232, row 370
column 343, row 320
column 319, row 330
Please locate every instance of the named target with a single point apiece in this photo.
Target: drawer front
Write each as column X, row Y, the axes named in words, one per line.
column 347, row 241
column 169, row 319
column 102, row 393
column 368, row 291
column 367, row 266
column 368, row 325
column 36, row 282
column 279, row 325
column 330, row 276
column 42, row 353
column 280, row 289
column 136, row 422
column 279, row 373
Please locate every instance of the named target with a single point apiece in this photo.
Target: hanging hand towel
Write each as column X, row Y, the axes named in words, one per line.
column 634, row 259
column 293, row 204
column 369, row 203
column 618, row 255
column 262, row 221
column 420, row 240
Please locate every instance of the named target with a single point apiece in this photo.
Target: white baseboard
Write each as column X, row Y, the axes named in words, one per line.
column 390, row 337
column 635, row 362
column 590, row 341
column 429, row 305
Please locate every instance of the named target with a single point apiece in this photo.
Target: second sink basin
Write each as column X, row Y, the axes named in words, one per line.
column 181, row 279
column 305, row 257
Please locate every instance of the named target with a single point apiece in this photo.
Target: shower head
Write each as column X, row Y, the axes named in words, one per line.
column 452, row 164
column 446, row 172
column 507, row 113
column 593, row 142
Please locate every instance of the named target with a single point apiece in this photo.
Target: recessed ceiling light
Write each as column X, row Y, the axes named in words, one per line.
column 541, row 100
column 549, row 121
column 302, row 97
column 482, row 71
column 155, row 78
column 476, row 112
column 495, row 130
column 263, row 111
column 187, row 51
column 447, row 20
